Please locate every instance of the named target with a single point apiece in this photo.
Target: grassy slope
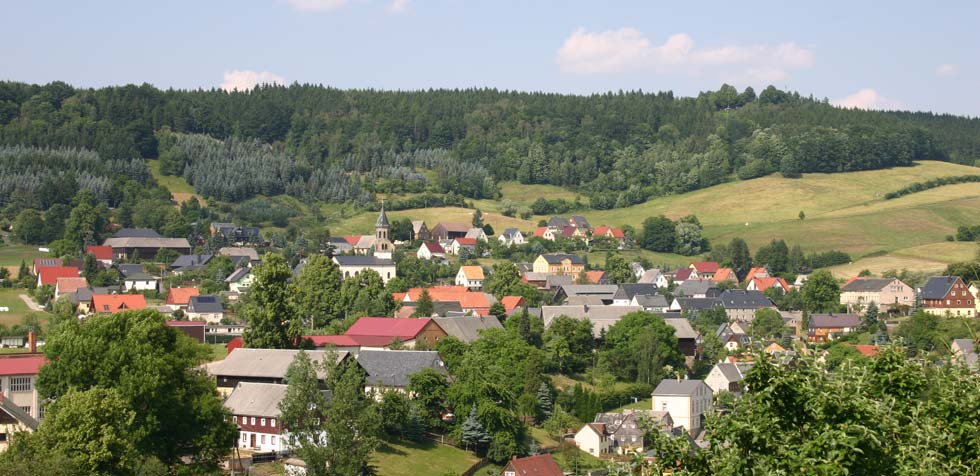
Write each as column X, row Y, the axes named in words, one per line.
column 179, row 188
column 404, row 458
column 10, row 297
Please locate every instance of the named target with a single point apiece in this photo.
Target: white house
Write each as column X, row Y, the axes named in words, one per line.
column 430, row 250
column 470, row 276
column 686, row 400
column 728, row 377
column 477, row 233
column 240, row 280
column 351, row 266
column 141, row 282
column 255, row 409
column 511, row 236
column 458, row 244
column 592, row 439
column 655, row 276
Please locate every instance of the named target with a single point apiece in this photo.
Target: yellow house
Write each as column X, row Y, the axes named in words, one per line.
column 559, row 263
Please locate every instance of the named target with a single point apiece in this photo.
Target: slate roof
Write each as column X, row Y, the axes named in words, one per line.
column 628, row 290
column 467, row 329
column 205, row 304
column 734, row 372
column 391, row 368
column 382, row 221
column 834, row 321
column 739, row 299
column 252, row 253
column 691, row 287
column 650, row 276
column 265, row 363
column 256, row 399
column 673, row 387
column 127, row 269
column 651, row 300
column 344, row 260
column 865, row 285
column 238, row 275
column 184, row 261
column 15, row 412
column 937, row 287
column 510, row 233
column 697, row 304
column 136, row 233
column 556, row 258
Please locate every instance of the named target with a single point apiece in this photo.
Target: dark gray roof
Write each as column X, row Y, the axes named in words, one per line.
column 382, row 218
column 865, row 285
column 556, row 258
column 265, row 363
column 651, row 300
column 937, row 287
column 128, row 269
column 692, row 287
column 965, row 345
column 682, row 328
column 237, row 275
column 740, row 299
column 17, row 413
column 677, row 387
column 833, row 321
column 140, row 276
column 136, row 233
column 734, row 372
column 205, row 304
column 184, row 261
column 510, row 232
column 467, row 329
column 556, row 280
column 697, row 304
column 628, row 290
column 603, row 290
column 391, row 368
column 345, row 260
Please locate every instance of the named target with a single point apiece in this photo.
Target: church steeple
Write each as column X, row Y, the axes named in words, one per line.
column 382, row 242
column 382, row 217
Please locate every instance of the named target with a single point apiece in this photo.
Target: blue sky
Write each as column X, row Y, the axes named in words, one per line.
column 891, row 55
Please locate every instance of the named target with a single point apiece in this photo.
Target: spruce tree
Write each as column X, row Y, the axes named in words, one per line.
column 870, row 320
column 472, row 434
column 424, row 306
column 545, row 402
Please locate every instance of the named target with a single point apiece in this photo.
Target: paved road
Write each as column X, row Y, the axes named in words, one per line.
column 30, row 303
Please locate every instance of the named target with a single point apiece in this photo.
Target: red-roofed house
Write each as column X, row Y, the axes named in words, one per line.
column 545, row 232
column 431, row 249
column 868, row 350
column 537, row 465
column 102, row 254
column 68, row 285
column 596, row 277
column 685, row 274
column 758, row 272
column 512, row 302
column 470, row 277
column 18, row 374
column 409, row 330
column 610, row 232
column 437, row 293
column 46, row 263
column 113, row 303
column 181, row 297
column 352, row 239
column 476, row 302
column 459, row 244
column 725, row 274
column 762, row 284
column 705, row 269
column 48, row 275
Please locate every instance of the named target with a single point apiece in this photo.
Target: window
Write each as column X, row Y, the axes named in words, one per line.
column 253, row 420
column 273, row 440
column 244, row 437
column 235, row 418
column 26, row 410
column 21, row 384
column 273, row 422
column 263, row 439
column 262, row 422
column 3, row 437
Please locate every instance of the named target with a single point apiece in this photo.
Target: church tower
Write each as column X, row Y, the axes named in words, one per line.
column 382, row 241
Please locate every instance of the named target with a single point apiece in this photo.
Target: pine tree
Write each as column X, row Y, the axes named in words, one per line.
column 545, row 402
column 24, row 271
column 870, row 320
column 352, row 423
column 472, row 434
column 424, row 306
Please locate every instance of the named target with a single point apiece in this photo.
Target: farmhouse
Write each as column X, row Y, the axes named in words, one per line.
column 824, row 327
column 449, row 231
column 887, row 293
column 390, row 369
column 687, row 401
column 947, row 296
column 470, row 277
column 123, row 248
column 559, row 263
column 511, row 236
column 261, row 366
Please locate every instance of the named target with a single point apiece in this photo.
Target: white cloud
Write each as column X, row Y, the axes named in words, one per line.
column 245, row 80
column 397, row 6
column 615, row 51
column 945, row 70
column 868, row 98
column 316, row 5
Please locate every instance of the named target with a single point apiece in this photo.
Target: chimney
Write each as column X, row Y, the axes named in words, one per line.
column 32, row 341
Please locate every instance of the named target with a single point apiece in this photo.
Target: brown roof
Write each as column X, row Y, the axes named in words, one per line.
column 70, row 285
column 538, row 465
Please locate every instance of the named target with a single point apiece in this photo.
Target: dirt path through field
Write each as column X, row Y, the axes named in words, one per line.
column 30, row 303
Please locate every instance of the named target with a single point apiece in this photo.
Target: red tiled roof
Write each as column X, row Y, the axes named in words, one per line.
column 112, row 303
column 439, row 293
column 236, row 343
column 725, row 274
column 538, row 465
column 511, row 302
column 15, row 364
column 404, row 329
column 181, row 296
column 99, row 252
column 762, row 284
column 434, row 247
column 705, row 266
column 70, row 285
column 595, row 277
column 466, row 241
column 399, row 297
column 755, row 272
column 683, row 274
column 472, row 272
column 352, row 239
column 50, row 274
column 606, row 230
column 540, row 231
column 475, row 301
column 868, row 350
column 568, row 231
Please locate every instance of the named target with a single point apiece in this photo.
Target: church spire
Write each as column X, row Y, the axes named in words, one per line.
column 382, row 217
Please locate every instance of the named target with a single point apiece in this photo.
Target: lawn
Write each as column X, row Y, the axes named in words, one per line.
column 10, row 297
column 644, row 404
column 932, row 257
column 364, row 222
column 12, row 255
column 179, row 188
column 405, row 458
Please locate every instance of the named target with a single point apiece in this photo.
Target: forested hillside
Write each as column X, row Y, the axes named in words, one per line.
column 335, row 145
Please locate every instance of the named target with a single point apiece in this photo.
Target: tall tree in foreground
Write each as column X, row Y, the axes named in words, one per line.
column 318, row 292
column 301, row 412
column 351, row 422
column 821, row 293
column 269, row 310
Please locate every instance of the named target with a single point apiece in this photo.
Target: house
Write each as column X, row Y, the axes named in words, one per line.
column 685, row 274
column 470, row 277
column 757, row 272
column 559, row 263
column 390, row 369
column 476, row 233
column 430, row 250
column 13, row 420
column 603, row 293
column 148, row 247
column 947, row 296
column 687, row 401
column 824, row 327
column 654, row 276
column 741, row 305
column 127, row 269
column 546, row 233
column 113, row 303
column 511, row 237
column 650, row 302
column 408, row 331
column 692, row 306
column 351, row 266
column 596, row 277
column 194, row 329
column 449, row 231
column 727, row 377
column 46, row 263
column 181, row 297
column 627, row 291
column 697, row 288
column 102, row 254
column 263, row 366
column 18, row 380
column 602, row 317
column 340, row 245
column 575, row 221
column 732, row 336
column 235, row 233
column 251, row 253
column 705, row 269
column 964, row 351
column 537, row 465
column 763, row 284
column 610, row 232
column 136, row 233
column 48, row 275
column 420, row 232
column 886, row 293
column 141, row 282
column 458, row 245
column 725, row 274
column 185, row 263
column 64, row 286
column 207, row 308
column 240, row 280
column 254, row 408
column 620, row 433
column 467, row 329
column 512, row 302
